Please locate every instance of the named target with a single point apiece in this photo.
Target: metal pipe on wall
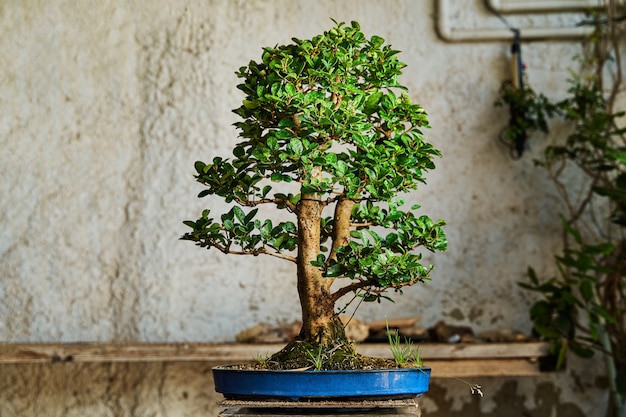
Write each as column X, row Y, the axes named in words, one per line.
column 540, row 6
column 451, row 34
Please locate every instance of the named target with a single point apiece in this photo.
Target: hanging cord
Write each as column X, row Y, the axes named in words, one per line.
column 499, row 16
column 514, row 135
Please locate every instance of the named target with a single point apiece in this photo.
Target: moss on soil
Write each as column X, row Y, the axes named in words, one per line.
column 300, row 354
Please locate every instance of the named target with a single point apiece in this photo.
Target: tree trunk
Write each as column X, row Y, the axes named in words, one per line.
column 313, row 289
column 341, row 225
column 320, row 324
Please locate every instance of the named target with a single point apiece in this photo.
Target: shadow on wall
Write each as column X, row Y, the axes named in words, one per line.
column 509, row 402
column 108, row 390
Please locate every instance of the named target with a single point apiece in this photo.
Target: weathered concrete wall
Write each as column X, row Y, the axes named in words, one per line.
column 186, row 389
column 72, row 389
column 105, row 106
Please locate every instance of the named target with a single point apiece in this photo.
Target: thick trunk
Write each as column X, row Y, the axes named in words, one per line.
column 313, row 289
column 341, row 226
column 319, row 321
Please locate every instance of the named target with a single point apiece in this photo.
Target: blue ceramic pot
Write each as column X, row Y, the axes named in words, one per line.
column 389, row 383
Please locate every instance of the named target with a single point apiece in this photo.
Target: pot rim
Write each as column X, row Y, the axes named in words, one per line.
column 326, row 371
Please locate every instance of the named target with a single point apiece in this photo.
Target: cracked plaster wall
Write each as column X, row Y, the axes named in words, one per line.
column 105, row 106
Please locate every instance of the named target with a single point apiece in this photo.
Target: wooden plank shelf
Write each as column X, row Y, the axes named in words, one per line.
column 446, row 360
column 365, row 408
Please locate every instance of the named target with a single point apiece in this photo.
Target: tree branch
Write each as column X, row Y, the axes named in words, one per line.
column 253, row 203
column 368, row 283
column 340, row 292
column 255, row 252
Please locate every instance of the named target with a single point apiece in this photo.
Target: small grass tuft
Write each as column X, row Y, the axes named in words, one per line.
column 262, row 360
column 317, row 358
column 406, row 353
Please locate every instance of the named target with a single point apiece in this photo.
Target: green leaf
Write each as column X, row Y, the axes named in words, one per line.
column 228, row 224
column 545, row 331
column 619, row 154
column 250, row 215
column 580, row 350
column 532, row 275
column 341, row 168
column 587, row 290
column 369, row 297
column 295, row 146
column 377, row 41
column 190, row 224
column 356, row 234
column 283, row 134
column 239, row 214
column 239, row 151
column 290, row 89
column 604, row 313
column 612, row 193
column 199, row 166
column 250, row 104
column 527, row 286
column 395, row 215
column 290, row 227
column 331, row 158
column 272, row 143
column 371, row 103
column 334, row 270
column 570, row 230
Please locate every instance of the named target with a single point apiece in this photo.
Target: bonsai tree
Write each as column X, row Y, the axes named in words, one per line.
column 330, row 137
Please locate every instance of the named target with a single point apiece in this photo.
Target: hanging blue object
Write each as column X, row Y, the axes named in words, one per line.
column 290, row 385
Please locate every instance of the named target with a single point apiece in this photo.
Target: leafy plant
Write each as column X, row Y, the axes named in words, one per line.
column 583, row 307
column 329, row 137
column 529, row 112
column 317, row 358
column 407, row 354
column 262, row 360
column 403, row 353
